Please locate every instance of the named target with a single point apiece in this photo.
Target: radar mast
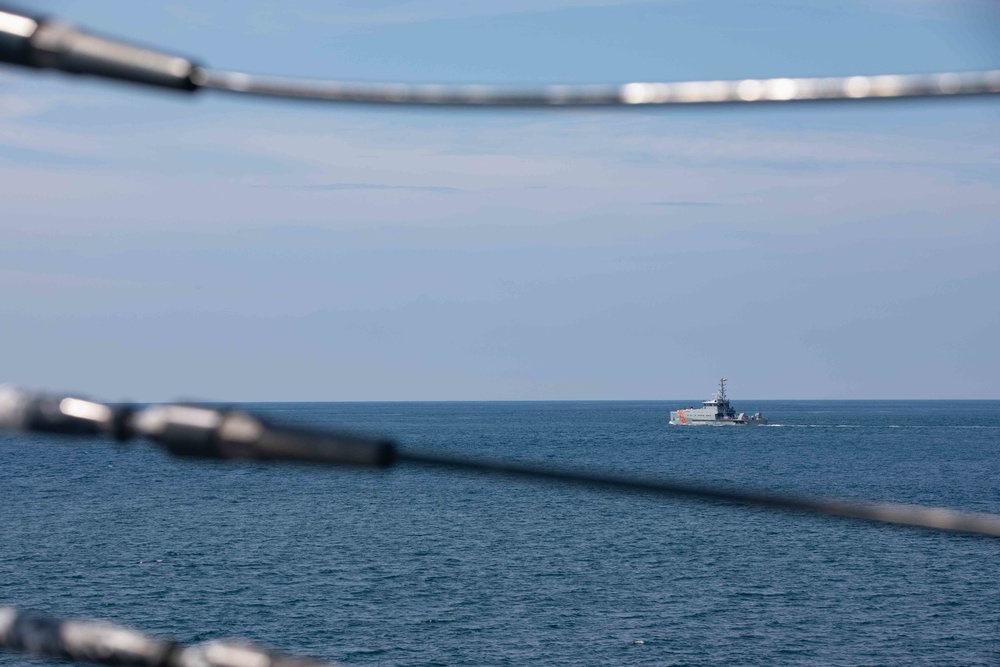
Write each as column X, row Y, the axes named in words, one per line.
column 721, row 394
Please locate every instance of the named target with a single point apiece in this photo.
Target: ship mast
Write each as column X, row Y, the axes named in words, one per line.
column 722, row 390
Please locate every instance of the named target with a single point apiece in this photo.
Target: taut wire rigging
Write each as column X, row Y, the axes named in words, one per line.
column 41, row 43
column 206, row 432
column 107, row 644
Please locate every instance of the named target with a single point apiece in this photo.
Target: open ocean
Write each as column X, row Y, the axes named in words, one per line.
column 420, row 567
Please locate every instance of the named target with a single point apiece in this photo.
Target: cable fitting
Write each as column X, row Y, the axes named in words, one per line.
column 43, row 44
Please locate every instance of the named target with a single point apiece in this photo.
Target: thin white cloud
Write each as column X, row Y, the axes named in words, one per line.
column 57, row 142
column 188, row 15
column 36, row 282
column 522, row 171
column 938, row 10
column 349, row 14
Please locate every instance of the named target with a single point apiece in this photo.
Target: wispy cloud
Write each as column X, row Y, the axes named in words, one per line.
column 188, row 15
column 937, row 10
column 332, row 187
column 410, row 11
column 35, row 281
column 682, row 204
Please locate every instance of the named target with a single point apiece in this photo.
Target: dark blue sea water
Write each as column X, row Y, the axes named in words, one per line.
column 420, row 567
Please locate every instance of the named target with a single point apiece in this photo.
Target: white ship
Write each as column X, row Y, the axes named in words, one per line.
column 716, row 411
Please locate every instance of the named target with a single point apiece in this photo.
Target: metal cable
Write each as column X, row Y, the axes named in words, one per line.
column 206, row 432
column 41, row 43
column 742, row 91
column 915, row 516
column 107, row 644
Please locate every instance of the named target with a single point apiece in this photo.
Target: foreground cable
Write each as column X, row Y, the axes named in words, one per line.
column 205, row 432
column 636, row 94
column 107, row 644
column 42, row 43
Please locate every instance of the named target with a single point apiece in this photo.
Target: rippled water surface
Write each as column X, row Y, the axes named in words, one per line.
column 420, row 567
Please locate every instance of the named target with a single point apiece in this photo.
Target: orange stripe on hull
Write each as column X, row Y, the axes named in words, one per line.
column 680, row 413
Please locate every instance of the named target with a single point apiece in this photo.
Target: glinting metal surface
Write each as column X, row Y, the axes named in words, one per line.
column 635, row 94
column 38, row 42
column 108, row 644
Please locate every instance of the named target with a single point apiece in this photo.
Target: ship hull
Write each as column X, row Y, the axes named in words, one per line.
column 703, row 417
column 720, row 422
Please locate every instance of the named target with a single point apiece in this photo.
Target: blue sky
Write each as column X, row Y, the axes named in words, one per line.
column 155, row 246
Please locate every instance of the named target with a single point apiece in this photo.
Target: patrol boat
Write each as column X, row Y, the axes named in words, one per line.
column 716, row 412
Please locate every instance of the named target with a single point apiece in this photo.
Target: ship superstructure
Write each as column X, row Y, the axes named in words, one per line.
column 716, row 411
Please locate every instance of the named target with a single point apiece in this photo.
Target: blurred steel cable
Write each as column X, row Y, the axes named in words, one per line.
column 636, row 94
column 38, row 42
column 207, row 432
column 107, row 644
